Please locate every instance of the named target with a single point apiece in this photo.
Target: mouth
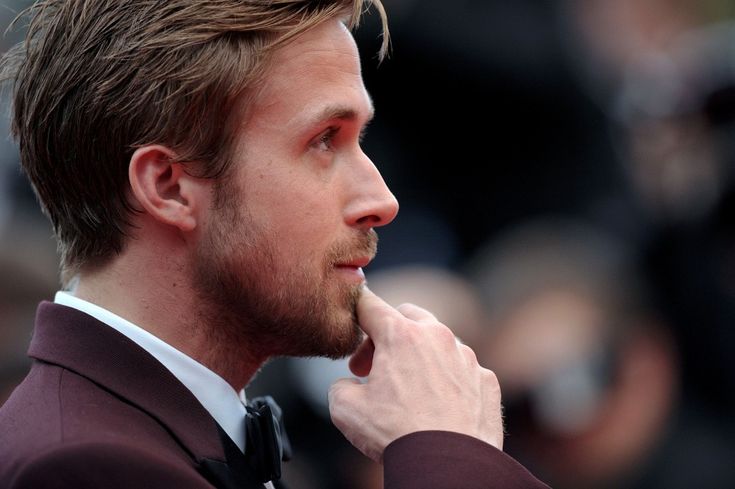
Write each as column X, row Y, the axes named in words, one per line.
column 352, row 268
column 359, row 262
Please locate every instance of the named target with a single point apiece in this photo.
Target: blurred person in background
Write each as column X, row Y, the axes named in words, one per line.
column 664, row 72
column 661, row 71
column 590, row 372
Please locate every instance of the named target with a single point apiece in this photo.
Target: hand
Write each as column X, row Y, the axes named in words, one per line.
column 419, row 378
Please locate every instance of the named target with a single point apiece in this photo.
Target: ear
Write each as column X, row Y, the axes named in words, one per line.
column 164, row 189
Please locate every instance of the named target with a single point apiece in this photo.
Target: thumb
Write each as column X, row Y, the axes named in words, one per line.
column 342, row 397
column 341, row 389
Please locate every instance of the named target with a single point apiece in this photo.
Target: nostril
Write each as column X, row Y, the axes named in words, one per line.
column 371, row 219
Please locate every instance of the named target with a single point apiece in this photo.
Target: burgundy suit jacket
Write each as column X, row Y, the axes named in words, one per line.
column 96, row 410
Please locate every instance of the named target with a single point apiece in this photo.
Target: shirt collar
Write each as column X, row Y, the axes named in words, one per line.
column 226, row 406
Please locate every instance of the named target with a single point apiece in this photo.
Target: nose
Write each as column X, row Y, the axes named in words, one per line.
column 371, row 203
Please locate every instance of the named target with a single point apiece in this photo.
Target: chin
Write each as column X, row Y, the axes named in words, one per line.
column 347, row 344
column 339, row 333
column 336, row 338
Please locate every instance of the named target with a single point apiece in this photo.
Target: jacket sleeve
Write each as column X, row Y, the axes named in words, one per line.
column 445, row 460
column 88, row 466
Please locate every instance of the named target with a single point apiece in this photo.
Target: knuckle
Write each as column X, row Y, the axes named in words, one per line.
column 492, row 390
column 338, row 406
column 490, row 377
column 469, row 353
column 408, row 308
column 333, row 395
column 445, row 334
column 415, row 312
column 334, row 411
column 337, row 394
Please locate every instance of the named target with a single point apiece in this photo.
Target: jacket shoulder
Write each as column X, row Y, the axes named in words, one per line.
column 57, row 415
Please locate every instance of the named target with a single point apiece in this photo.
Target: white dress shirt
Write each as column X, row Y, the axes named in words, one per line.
column 226, row 406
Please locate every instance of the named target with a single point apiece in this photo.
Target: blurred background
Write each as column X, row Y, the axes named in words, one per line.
column 565, row 172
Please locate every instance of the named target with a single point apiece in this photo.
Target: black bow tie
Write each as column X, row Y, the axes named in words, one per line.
column 267, row 443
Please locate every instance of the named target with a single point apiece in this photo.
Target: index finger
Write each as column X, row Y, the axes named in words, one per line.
column 372, row 312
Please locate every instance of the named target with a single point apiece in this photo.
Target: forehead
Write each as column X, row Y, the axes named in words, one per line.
column 318, row 73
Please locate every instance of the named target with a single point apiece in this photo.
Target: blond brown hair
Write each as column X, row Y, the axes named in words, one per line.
column 95, row 79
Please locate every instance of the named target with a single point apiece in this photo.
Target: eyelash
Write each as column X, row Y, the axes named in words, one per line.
column 327, row 138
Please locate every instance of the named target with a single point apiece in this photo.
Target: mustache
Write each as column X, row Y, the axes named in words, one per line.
column 360, row 246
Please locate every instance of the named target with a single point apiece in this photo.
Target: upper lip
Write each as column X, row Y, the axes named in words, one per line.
column 356, row 262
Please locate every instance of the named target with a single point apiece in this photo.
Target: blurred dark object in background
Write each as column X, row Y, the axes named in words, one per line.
column 674, row 115
column 481, row 122
column 589, row 370
column 28, row 274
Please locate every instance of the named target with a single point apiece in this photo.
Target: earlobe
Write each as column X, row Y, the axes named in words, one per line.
column 162, row 187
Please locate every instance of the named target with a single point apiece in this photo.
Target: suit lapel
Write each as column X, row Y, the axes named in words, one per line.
column 74, row 340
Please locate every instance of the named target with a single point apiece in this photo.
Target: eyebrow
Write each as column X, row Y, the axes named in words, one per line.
column 339, row 112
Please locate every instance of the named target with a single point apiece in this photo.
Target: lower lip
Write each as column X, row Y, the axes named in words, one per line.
column 353, row 273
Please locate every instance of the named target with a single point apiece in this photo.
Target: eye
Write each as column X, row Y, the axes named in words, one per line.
column 325, row 141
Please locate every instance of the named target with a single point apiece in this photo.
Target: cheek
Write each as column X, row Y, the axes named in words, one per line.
column 299, row 234
column 300, row 213
column 298, row 206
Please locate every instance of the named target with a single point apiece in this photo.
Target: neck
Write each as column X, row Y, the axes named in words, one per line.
column 155, row 294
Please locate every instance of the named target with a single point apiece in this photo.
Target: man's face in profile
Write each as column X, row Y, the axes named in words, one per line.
column 282, row 255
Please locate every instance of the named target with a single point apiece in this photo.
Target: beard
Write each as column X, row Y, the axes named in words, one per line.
column 269, row 303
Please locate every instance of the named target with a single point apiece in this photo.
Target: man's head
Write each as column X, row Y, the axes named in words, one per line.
column 281, row 251
column 202, row 158
column 95, row 80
